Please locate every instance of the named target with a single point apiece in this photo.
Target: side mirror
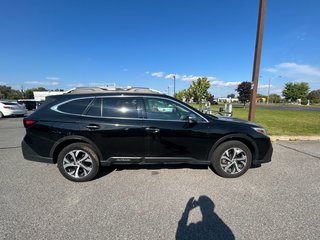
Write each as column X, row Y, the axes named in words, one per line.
column 192, row 119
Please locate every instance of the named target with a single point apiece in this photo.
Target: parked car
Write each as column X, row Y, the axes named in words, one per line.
column 83, row 131
column 8, row 108
column 30, row 104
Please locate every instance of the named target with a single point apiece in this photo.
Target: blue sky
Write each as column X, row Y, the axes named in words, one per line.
column 62, row 44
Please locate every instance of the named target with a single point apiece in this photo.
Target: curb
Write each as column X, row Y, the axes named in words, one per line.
column 295, row 138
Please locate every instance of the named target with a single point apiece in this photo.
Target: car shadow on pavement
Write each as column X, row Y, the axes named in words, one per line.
column 107, row 170
column 210, row 227
column 156, row 166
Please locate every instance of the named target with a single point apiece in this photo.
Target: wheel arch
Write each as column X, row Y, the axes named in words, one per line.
column 245, row 139
column 65, row 141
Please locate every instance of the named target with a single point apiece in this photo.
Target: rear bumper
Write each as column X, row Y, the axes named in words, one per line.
column 14, row 112
column 30, row 154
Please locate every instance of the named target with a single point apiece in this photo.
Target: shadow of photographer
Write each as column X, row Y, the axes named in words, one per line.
column 211, row 227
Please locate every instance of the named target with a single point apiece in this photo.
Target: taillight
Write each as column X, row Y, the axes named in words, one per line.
column 28, row 123
column 7, row 107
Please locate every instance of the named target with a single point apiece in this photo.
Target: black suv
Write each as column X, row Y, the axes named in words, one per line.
column 83, row 131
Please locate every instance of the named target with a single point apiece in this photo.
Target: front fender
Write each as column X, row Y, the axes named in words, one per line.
column 246, row 139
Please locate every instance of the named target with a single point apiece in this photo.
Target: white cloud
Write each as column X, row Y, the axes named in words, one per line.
column 3, row 83
column 296, row 72
column 263, row 86
column 53, row 78
column 75, row 85
column 276, row 91
column 224, row 84
column 189, row 78
column 158, row 74
column 183, row 77
column 41, row 83
column 171, row 75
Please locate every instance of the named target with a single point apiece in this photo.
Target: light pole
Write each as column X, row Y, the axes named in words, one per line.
column 269, row 87
column 174, row 85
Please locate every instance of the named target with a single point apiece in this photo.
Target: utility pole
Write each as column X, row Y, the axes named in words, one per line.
column 174, row 85
column 257, row 57
column 168, row 90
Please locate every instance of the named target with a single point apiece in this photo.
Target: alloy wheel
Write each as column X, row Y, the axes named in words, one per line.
column 233, row 160
column 77, row 163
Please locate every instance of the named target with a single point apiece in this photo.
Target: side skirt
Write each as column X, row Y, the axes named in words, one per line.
column 152, row 160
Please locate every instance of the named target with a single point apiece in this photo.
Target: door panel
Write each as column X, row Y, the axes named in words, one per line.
column 171, row 136
column 177, row 140
column 119, row 132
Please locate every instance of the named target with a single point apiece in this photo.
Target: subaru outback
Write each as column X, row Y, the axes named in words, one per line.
column 82, row 131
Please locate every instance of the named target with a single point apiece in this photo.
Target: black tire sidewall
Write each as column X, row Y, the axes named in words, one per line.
column 84, row 147
column 215, row 163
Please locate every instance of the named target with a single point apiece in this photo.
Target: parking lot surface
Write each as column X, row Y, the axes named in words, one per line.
column 279, row 200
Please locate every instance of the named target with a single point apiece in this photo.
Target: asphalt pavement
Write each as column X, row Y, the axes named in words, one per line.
column 279, row 200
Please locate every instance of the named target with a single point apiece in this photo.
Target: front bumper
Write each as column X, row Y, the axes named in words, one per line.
column 266, row 157
column 30, row 154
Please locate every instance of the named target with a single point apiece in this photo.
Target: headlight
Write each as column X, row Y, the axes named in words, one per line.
column 261, row 130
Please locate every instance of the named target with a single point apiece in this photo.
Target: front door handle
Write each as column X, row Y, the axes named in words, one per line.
column 93, row 126
column 152, row 129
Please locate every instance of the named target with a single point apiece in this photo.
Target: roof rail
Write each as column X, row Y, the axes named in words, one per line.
column 79, row 90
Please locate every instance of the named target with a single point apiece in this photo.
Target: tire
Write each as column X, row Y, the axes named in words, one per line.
column 78, row 162
column 1, row 115
column 231, row 159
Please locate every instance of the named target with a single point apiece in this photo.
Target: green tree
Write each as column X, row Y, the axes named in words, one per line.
column 244, row 91
column 28, row 94
column 274, row 98
column 199, row 89
column 314, row 96
column 181, row 95
column 4, row 91
column 9, row 93
column 294, row 91
column 210, row 98
column 15, row 94
column 39, row 89
column 231, row 95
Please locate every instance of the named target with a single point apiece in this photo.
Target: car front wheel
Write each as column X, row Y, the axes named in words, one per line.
column 231, row 159
column 78, row 162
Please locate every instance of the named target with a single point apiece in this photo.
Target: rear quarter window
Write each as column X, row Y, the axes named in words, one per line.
column 75, row 106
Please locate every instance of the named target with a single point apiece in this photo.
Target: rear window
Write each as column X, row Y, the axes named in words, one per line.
column 9, row 103
column 76, row 106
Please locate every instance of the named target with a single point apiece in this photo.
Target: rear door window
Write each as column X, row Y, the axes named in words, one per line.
column 121, row 107
column 95, row 108
column 75, row 106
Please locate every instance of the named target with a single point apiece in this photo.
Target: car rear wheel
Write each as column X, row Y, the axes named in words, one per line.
column 78, row 162
column 231, row 159
column 1, row 115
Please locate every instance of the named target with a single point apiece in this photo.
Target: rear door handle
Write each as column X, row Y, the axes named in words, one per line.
column 153, row 129
column 93, row 126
